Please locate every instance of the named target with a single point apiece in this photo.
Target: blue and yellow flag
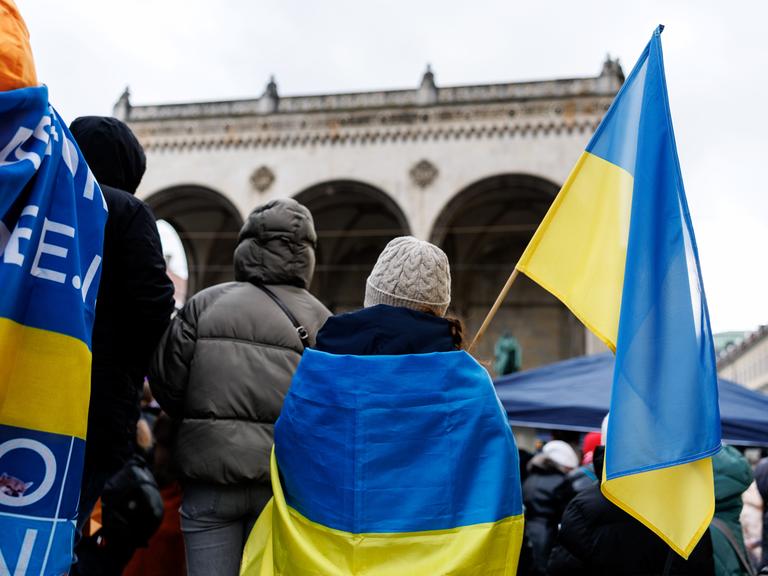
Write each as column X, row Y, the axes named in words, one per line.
column 617, row 247
column 52, row 217
column 390, row 465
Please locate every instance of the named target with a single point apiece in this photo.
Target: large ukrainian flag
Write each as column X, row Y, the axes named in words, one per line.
column 617, row 247
column 390, row 465
column 52, row 217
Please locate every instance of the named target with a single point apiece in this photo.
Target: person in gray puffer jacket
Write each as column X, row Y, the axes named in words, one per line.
column 222, row 371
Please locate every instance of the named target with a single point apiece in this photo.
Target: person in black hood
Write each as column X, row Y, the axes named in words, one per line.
column 112, row 151
column 597, row 538
column 134, row 304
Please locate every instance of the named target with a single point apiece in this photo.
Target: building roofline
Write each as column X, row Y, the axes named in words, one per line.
column 427, row 94
column 733, row 353
column 316, row 95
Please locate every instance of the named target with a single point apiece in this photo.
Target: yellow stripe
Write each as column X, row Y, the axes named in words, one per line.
column 579, row 250
column 44, row 380
column 578, row 254
column 285, row 542
column 651, row 496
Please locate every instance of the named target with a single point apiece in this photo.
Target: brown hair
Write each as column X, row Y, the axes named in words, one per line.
column 457, row 332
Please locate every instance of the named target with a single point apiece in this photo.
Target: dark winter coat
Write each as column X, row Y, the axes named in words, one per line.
column 542, row 497
column 733, row 476
column 576, row 481
column 225, row 364
column 135, row 299
column 385, row 330
column 597, row 538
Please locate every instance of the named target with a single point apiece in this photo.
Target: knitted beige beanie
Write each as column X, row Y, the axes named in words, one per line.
column 412, row 274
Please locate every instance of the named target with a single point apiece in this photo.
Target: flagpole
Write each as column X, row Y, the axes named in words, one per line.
column 494, row 309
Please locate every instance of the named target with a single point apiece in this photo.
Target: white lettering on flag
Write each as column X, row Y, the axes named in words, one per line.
column 12, row 253
column 89, row 276
column 69, row 153
column 51, row 249
column 25, row 554
column 13, row 152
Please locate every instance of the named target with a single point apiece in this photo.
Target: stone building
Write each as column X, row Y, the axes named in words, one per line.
column 471, row 168
column 746, row 362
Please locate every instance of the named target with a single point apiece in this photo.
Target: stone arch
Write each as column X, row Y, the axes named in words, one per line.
column 354, row 221
column 484, row 229
column 207, row 224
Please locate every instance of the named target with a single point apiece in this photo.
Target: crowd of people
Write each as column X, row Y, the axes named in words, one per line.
column 573, row 529
column 187, row 454
column 185, row 429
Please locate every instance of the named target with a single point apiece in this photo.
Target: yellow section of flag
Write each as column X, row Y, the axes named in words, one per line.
column 649, row 496
column 285, row 542
column 579, row 250
column 44, row 380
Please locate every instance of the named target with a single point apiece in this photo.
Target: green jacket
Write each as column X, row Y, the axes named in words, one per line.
column 733, row 475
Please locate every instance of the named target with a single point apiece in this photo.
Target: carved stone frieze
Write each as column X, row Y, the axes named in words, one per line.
column 429, row 113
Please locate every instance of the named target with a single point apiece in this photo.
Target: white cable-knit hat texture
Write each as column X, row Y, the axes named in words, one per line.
column 410, row 273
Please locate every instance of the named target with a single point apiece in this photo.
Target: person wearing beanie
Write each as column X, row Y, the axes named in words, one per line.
column 406, row 298
column 543, row 494
column 413, row 274
column 388, row 430
column 583, row 477
column 221, row 372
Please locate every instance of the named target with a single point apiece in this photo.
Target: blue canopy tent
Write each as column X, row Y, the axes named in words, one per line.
column 575, row 395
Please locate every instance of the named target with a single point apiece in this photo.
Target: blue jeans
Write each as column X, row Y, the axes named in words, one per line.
column 216, row 521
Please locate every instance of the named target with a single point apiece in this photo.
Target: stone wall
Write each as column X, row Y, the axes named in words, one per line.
column 425, row 155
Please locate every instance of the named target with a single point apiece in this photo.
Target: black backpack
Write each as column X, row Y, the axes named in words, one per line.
column 132, row 507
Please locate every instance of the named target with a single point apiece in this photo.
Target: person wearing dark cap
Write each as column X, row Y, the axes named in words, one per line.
column 134, row 304
column 222, row 371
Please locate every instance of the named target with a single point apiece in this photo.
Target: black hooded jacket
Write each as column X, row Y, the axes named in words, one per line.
column 385, row 330
column 598, row 538
column 135, row 299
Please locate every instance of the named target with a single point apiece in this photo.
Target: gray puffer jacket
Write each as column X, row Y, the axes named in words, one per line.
column 226, row 361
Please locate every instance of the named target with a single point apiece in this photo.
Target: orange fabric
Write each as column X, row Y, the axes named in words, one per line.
column 17, row 66
column 94, row 522
column 165, row 554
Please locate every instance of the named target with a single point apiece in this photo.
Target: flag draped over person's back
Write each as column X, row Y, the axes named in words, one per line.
column 390, row 465
column 52, row 218
column 617, row 247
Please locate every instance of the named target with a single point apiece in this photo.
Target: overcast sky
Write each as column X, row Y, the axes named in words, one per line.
column 716, row 55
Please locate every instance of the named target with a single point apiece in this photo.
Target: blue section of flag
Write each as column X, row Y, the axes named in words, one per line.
column 615, row 140
column 52, row 219
column 665, row 362
column 407, row 443
column 31, row 547
column 46, row 466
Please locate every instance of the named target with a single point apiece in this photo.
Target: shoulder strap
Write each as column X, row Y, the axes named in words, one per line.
column 589, row 473
column 726, row 531
column 300, row 330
